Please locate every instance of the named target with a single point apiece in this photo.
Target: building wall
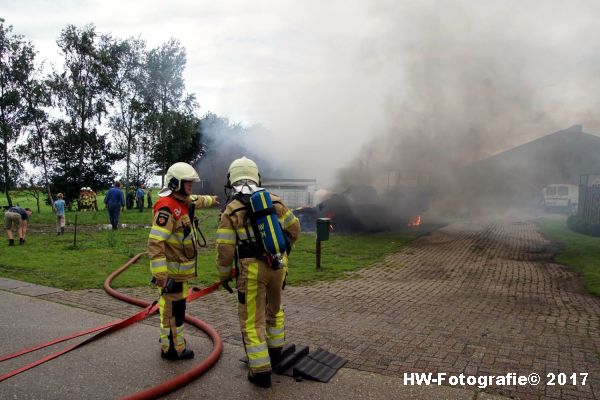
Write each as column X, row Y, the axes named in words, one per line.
column 292, row 197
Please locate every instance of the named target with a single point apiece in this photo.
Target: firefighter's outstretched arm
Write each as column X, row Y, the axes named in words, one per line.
column 203, row 201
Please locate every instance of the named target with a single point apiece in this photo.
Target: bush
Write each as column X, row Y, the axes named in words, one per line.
column 579, row 225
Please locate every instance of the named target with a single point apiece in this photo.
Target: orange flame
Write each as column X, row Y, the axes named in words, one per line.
column 331, row 216
column 416, row 221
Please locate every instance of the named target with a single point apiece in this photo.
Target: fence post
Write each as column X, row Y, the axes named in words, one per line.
column 75, row 233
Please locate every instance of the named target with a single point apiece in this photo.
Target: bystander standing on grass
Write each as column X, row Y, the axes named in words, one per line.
column 149, row 196
column 59, row 211
column 140, row 197
column 115, row 202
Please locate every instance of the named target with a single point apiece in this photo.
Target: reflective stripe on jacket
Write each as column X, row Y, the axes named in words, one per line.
column 232, row 228
column 172, row 254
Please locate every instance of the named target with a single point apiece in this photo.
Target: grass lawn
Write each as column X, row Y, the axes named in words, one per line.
column 581, row 252
column 52, row 260
column 46, row 216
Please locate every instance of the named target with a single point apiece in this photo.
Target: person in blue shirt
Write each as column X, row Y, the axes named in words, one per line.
column 139, row 193
column 59, row 211
column 115, row 202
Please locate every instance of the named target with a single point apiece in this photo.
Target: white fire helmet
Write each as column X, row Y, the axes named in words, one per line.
column 243, row 168
column 243, row 176
column 177, row 173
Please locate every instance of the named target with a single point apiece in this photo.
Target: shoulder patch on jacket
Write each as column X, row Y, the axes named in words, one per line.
column 162, row 218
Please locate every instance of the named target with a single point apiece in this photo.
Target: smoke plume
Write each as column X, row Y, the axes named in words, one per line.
column 466, row 80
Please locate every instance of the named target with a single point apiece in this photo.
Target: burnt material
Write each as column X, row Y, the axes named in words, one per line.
column 362, row 209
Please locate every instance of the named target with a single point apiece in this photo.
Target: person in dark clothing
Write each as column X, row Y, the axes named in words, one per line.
column 130, row 198
column 139, row 193
column 115, row 202
column 18, row 218
column 149, row 197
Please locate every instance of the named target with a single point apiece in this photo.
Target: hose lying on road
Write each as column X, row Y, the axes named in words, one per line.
column 153, row 392
column 188, row 376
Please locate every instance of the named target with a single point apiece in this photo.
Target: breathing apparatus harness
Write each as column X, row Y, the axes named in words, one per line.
column 254, row 245
column 245, row 248
column 258, row 244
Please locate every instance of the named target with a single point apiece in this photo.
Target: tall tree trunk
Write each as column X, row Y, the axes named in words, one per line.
column 44, row 164
column 6, row 174
column 129, row 142
column 128, row 162
column 81, row 155
column 5, row 159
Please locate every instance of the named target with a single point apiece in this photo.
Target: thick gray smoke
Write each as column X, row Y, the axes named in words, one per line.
column 388, row 89
column 467, row 80
column 225, row 142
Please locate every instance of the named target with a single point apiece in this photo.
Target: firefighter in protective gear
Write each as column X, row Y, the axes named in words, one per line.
column 172, row 249
column 259, row 285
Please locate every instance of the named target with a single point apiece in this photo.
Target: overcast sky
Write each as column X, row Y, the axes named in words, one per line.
column 326, row 77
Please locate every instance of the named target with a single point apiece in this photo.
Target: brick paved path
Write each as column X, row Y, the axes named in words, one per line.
column 479, row 297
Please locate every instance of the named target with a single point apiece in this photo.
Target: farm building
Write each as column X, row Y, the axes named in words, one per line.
column 293, row 192
column 518, row 175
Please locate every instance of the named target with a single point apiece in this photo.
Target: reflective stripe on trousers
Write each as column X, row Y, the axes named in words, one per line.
column 261, row 316
column 172, row 314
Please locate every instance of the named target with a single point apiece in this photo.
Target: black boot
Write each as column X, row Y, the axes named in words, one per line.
column 21, row 242
column 275, row 355
column 62, row 231
column 172, row 354
column 262, row 379
column 11, row 242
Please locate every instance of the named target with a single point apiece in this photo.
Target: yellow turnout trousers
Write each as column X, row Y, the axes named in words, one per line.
column 172, row 315
column 260, row 312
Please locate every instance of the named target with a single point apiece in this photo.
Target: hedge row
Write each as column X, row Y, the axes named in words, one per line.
column 581, row 226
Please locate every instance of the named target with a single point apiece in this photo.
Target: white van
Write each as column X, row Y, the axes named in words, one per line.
column 561, row 197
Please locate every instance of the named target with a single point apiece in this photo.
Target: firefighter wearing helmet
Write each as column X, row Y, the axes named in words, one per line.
column 172, row 248
column 259, row 284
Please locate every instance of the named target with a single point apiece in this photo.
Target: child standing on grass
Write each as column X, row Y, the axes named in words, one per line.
column 59, row 210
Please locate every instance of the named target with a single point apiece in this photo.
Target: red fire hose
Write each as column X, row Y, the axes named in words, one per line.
column 186, row 377
column 153, row 392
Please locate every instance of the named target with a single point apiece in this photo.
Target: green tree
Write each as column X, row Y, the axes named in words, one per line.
column 83, row 91
column 181, row 138
column 68, row 173
column 16, row 65
column 170, row 120
column 38, row 98
column 126, row 122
